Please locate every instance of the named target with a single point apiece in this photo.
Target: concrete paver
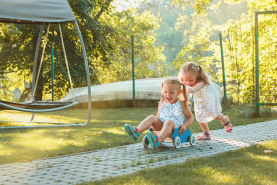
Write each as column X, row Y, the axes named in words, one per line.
column 127, row 159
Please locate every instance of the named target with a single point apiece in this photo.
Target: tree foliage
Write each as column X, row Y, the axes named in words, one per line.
column 149, row 61
column 239, row 53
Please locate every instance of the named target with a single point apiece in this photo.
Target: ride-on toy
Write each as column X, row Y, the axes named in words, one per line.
column 176, row 138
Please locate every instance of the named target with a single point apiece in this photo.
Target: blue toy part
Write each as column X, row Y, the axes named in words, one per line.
column 176, row 138
column 184, row 137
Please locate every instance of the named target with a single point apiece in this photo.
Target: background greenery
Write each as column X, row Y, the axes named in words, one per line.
column 167, row 34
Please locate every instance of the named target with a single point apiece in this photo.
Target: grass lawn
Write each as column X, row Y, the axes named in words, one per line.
column 244, row 166
column 105, row 130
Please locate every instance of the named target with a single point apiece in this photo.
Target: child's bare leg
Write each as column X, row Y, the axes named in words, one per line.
column 206, row 135
column 167, row 129
column 225, row 122
column 205, row 127
column 151, row 120
column 221, row 118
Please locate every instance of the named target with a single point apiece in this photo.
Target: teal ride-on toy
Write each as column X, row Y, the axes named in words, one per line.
column 176, row 138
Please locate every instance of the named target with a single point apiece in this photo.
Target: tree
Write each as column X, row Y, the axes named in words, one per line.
column 149, row 61
column 199, row 5
column 239, row 54
column 200, row 50
column 190, row 25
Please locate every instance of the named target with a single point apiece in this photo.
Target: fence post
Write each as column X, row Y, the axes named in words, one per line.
column 52, row 58
column 257, row 62
column 223, row 69
column 133, row 70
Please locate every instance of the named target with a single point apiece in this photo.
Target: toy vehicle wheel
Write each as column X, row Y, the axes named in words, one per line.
column 177, row 142
column 192, row 140
column 145, row 142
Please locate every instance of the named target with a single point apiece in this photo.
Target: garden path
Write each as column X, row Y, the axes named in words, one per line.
column 116, row 161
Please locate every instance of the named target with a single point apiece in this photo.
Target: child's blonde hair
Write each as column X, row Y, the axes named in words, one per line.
column 175, row 81
column 196, row 70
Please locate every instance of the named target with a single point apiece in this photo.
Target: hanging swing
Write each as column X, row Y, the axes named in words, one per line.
column 60, row 12
column 41, row 106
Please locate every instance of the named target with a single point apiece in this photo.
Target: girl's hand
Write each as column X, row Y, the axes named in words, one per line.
column 189, row 90
column 182, row 129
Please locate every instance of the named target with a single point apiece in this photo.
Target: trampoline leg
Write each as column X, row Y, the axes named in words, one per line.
column 87, row 71
column 35, row 59
column 33, row 115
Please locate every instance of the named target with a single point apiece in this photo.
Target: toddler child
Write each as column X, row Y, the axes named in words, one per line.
column 206, row 101
column 172, row 114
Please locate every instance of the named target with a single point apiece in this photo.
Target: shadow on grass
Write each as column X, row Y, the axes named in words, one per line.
column 127, row 115
column 35, row 144
column 244, row 166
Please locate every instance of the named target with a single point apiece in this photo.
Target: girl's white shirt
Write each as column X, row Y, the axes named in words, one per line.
column 172, row 112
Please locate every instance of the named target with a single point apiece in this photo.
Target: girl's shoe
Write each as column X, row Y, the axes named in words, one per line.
column 204, row 136
column 132, row 131
column 153, row 141
column 228, row 126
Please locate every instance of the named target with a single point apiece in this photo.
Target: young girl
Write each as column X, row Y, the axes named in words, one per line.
column 206, row 102
column 172, row 114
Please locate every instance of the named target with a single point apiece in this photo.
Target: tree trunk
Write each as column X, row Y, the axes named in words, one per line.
column 39, row 90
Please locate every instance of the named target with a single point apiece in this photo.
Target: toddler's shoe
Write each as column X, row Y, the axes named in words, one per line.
column 132, row 131
column 204, row 136
column 153, row 141
column 228, row 126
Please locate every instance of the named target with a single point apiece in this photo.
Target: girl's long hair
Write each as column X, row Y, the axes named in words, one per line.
column 175, row 81
column 191, row 67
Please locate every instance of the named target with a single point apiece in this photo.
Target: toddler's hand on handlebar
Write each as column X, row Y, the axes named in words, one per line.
column 182, row 129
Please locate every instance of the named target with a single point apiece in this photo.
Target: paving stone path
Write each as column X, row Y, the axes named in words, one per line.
column 99, row 164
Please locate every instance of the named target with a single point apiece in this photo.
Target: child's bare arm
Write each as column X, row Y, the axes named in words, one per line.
column 189, row 116
column 197, row 87
column 159, row 107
